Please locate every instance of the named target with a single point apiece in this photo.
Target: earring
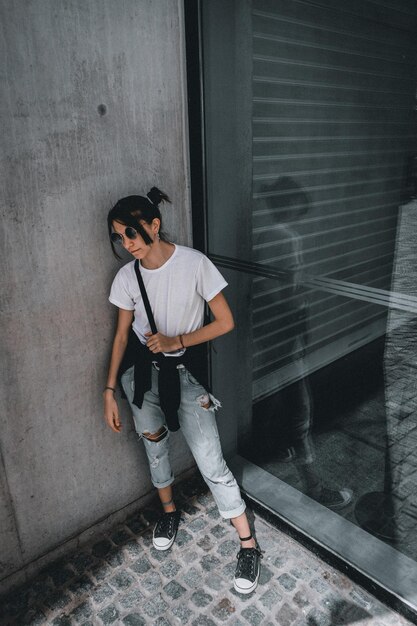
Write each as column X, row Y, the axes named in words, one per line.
column 157, row 236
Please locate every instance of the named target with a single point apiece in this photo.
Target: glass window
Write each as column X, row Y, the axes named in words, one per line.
column 311, row 167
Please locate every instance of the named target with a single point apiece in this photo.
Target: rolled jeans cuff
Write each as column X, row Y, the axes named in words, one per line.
column 234, row 512
column 167, row 483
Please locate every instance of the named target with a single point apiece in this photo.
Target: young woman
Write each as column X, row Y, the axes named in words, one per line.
column 162, row 372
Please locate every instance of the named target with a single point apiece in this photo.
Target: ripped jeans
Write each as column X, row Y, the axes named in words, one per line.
column 198, row 425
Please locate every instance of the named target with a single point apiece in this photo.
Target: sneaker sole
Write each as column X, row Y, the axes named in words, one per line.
column 162, row 548
column 246, row 590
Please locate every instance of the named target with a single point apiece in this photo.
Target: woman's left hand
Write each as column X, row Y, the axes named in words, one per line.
column 161, row 343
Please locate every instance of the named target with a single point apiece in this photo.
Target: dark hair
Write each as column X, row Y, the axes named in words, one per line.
column 286, row 199
column 131, row 209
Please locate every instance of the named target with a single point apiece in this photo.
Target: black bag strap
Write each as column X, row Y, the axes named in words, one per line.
column 145, row 299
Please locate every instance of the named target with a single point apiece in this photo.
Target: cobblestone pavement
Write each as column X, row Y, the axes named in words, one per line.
column 122, row 579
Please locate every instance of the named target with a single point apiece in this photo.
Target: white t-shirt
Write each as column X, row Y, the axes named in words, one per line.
column 177, row 292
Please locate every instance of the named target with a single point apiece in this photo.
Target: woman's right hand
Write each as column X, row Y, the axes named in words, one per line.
column 111, row 412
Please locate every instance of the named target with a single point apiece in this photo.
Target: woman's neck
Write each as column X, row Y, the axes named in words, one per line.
column 159, row 253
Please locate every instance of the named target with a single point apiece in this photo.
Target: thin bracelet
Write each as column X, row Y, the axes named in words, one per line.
column 181, row 342
column 112, row 389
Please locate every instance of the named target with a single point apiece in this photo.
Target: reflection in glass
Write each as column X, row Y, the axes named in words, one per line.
column 281, row 244
column 310, row 132
column 392, row 513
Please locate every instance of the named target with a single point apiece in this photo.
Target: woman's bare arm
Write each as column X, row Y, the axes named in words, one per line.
column 221, row 324
column 111, row 411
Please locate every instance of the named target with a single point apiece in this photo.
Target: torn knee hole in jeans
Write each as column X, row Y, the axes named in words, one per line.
column 208, row 402
column 156, row 437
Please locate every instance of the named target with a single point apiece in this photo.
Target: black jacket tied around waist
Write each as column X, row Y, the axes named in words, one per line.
column 139, row 355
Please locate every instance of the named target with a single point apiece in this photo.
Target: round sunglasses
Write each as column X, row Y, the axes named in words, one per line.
column 130, row 232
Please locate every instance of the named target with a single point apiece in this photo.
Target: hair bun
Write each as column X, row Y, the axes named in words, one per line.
column 156, row 196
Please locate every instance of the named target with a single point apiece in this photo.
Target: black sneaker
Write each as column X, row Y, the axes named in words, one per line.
column 247, row 570
column 334, row 499
column 165, row 530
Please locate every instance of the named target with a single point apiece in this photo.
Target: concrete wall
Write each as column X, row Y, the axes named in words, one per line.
column 66, row 159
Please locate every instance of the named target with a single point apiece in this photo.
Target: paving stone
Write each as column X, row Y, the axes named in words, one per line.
column 189, row 509
column 145, row 540
column 102, row 593
column 287, row 581
column 162, row 621
column 253, row 615
column 286, row 615
column 82, row 612
column 155, row 606
column 59, row 574
column 101, row 571
column 202, row 620
column 243, row 598
column 160, row 555
column 170, row 569
column 108, row 615
column 228, row 548
column 229, row 569
column 205, row 543
column 120, row 537
column 279, row 562
column 192, row 578
column 38, row 589
column 84, row 560
column 134, row 619
column 343, row 612
column 196, row 525
column 195, row 487
column 133, row 548
column 115, row 557
column 152, row 582
column 131, row 599
column 301, row 599
column 210, row 562
column 34, row 617
column 80, row 586
column 218, row 531
column 122, row 580
column 214, row 582
column 213, row 513
column 298, row 573
column 270, row 598
column 318, row 618
column 57, row 600
column 183, row 613
column 265, row 575
column 319, row 585
column 62, row 620
column 190, row 556
column 223, row 610
column 174, row 589
column 141, row 566
column 149, row 517
column 182, row 537
column 188, row 586
column 137, row 525
column 101, row 548
column 200, row 598
column 205, row 499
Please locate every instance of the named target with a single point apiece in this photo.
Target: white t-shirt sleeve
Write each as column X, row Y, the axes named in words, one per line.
column 209, row 280
column 120, row 294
